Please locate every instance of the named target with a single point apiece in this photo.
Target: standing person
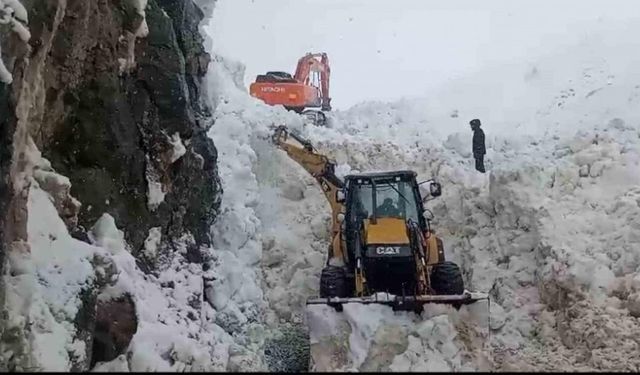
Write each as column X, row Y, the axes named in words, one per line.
column 479, row 148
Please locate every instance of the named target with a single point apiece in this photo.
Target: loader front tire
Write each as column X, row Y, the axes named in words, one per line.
column 333, row 282
column 446, row 279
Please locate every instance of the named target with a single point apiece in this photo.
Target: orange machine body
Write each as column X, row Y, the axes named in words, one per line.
column 290, row 95
column 307, row 88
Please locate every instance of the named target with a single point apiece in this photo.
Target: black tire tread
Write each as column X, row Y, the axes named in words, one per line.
column 333, row 282
column 446, row 279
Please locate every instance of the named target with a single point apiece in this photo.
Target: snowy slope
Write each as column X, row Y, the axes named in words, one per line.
column 548, row 232
column 52, row 273
column 579, row 86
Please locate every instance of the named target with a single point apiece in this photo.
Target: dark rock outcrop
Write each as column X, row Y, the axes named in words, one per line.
column 111, row 133
column 115, row 325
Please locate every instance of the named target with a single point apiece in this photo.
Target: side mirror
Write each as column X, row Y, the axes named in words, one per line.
column 428, row 215
column 430, row 189
column 340, row 197
column 435, row 189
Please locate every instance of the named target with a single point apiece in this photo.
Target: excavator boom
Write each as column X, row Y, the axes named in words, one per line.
column 313, row 69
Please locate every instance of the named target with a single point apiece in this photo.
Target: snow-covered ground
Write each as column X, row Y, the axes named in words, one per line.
column 551, row 232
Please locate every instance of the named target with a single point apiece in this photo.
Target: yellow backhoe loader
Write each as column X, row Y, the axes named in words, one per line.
column 383, row 249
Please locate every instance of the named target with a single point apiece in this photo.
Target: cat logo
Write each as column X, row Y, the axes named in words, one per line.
column 388, row 250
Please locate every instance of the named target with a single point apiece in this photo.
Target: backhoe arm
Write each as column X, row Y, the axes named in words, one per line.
column 322, row 169
column 319, row 166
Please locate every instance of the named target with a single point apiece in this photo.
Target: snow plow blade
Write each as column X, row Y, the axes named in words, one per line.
column 406, row 303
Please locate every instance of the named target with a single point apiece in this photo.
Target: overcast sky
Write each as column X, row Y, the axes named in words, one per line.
column 387, row 49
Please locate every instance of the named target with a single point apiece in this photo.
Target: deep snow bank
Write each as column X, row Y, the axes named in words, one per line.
column 549, row 231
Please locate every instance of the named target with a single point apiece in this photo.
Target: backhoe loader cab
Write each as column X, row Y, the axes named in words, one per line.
column 378, row 208
column 389, row 194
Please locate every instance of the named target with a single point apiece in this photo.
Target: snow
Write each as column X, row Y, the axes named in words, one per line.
column 237, row 236
column 155, row 190
column 105, row 234
column 48, row 273
column 555, row 231
column 119, row 364
column 535, row 234
column 383, row 340
column 173, row 318
column 178, row 147
column 140, row 6
column 13, row 12
column 129, row 62
column 155, row 194
column 550, row 232
column 43, row 289
column 152, row 241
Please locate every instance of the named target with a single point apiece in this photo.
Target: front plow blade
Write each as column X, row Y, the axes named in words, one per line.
column 407, row 303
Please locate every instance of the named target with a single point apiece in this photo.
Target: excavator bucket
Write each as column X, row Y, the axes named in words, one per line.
column 403, row 303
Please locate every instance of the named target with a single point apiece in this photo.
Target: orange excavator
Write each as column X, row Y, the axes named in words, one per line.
column 307, row 88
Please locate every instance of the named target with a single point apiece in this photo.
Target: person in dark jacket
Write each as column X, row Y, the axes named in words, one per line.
column 479, row 149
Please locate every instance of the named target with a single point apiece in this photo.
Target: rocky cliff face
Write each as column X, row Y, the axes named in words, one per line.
column 132, row 142
column 110, row 95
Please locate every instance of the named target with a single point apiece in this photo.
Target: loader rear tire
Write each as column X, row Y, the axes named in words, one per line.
column 333, row 282
column 446, row 279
